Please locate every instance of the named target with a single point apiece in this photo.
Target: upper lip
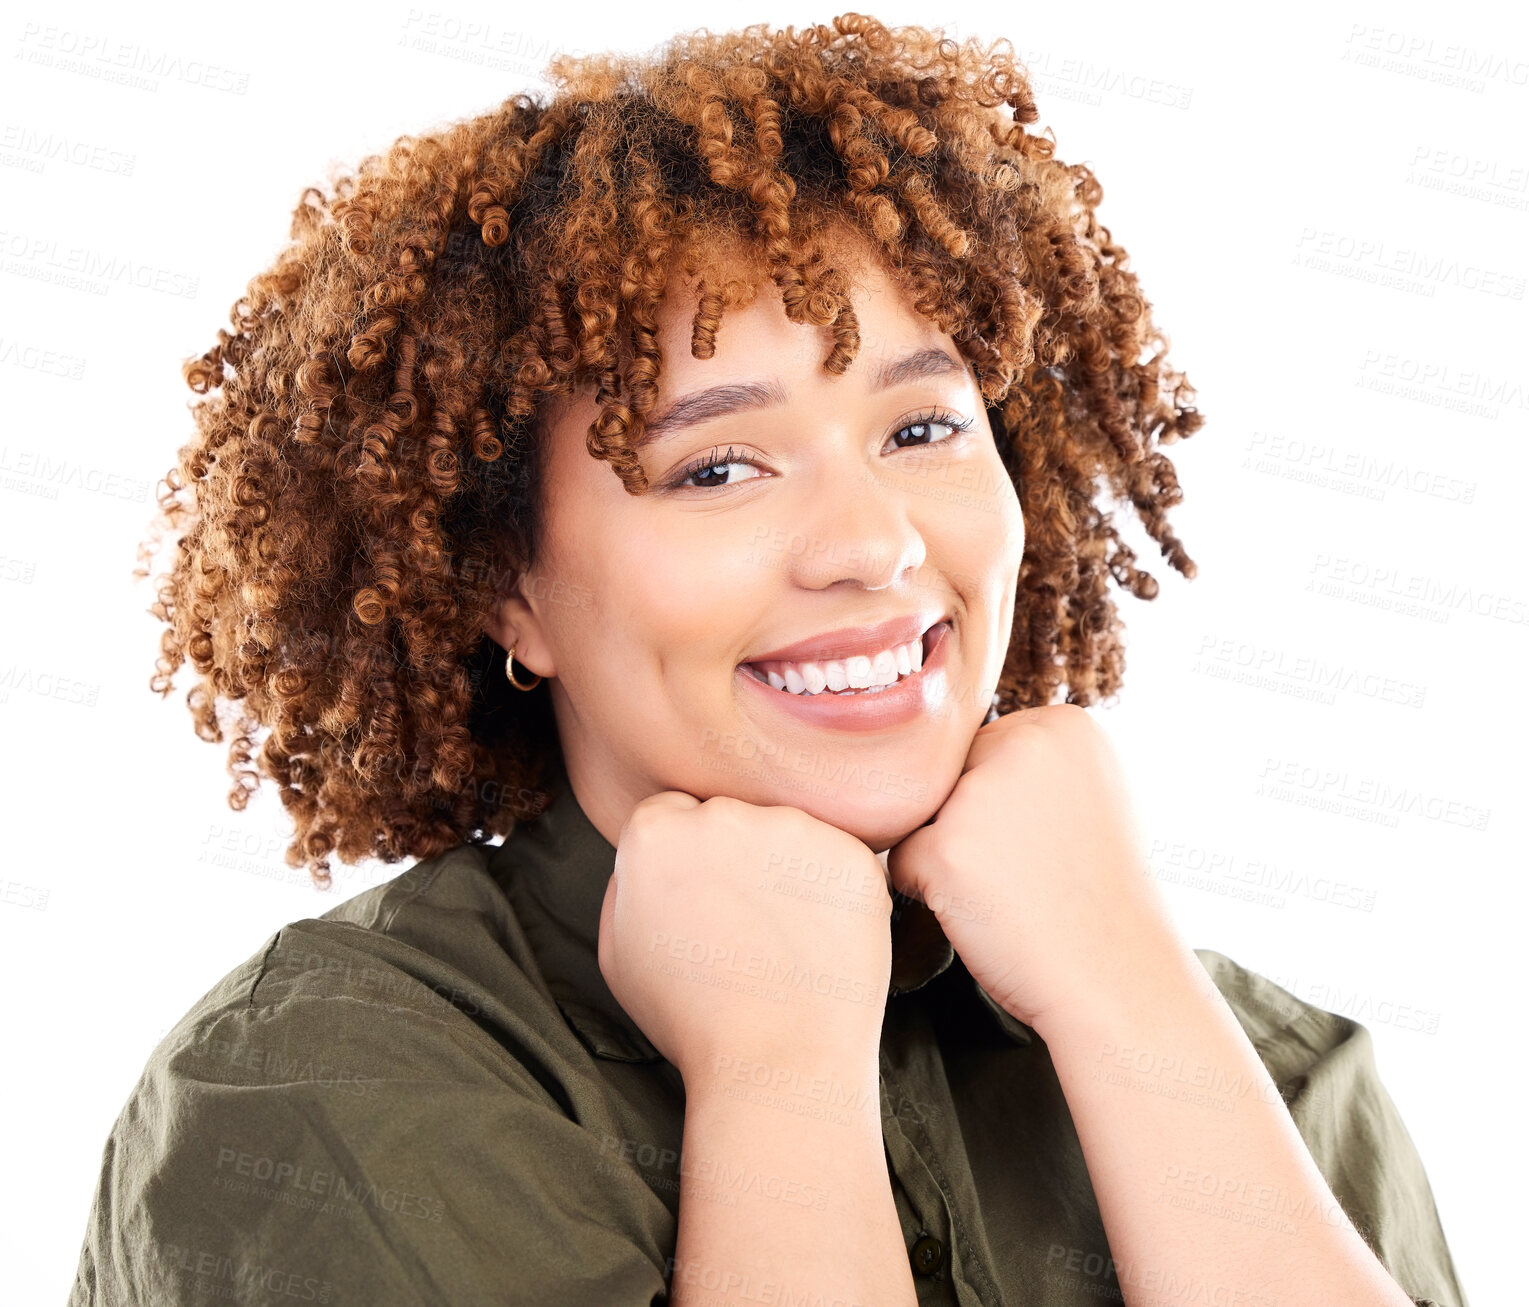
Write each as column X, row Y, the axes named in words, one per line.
column 850, row 641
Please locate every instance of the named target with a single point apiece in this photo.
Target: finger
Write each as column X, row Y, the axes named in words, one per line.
column 904, row 860
column 997, row 734
column 985, row 741
column 673, row 799
column 605, row 939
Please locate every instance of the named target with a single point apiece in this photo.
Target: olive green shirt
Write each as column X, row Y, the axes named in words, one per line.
column 429, row 1095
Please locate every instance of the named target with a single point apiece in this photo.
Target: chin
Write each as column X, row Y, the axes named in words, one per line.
column 881, row 821
column 878, row 814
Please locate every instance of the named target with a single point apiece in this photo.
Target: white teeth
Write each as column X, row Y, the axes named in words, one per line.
column 859, row 672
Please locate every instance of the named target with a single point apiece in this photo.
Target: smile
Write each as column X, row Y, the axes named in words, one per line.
column 862, row 674
column 862, row 693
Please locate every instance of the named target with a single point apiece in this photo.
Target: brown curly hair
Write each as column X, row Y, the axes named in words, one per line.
column 364, row 480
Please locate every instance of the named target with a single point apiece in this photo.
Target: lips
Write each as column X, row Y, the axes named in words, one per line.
column 851, row 642
column 811, row 679
column 923, row 695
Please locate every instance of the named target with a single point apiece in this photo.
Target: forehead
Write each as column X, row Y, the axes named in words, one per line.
column 720, row 291
column 721, row 295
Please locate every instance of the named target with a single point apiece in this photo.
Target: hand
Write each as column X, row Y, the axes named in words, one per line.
column 733, row 928
column 1035, row 868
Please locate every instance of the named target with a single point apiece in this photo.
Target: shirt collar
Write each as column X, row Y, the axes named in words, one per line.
column 556, row 867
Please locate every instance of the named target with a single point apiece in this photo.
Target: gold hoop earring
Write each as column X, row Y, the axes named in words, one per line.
column 509, row 671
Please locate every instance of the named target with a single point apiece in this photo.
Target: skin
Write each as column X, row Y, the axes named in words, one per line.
column 650, row 602
column 1024, row 842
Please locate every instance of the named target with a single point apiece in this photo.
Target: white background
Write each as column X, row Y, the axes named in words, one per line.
column 1327, row 207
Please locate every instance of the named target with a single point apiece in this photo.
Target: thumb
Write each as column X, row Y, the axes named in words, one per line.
column 906, row 861
column 671, row 800
column 604, row 940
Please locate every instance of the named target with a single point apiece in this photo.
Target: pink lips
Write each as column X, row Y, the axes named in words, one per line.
column 851, row 641
column 911, row 697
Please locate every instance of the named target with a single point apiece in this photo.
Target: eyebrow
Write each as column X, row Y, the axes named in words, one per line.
column 718, row 401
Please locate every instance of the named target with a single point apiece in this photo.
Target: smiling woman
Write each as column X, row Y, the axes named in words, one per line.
column 696, row 479
column 390, row 422
column 851, row 515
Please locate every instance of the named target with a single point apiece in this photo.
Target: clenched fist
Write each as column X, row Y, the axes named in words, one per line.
column 730, row 928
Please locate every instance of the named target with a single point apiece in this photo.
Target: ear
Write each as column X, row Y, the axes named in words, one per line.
column 515, row 621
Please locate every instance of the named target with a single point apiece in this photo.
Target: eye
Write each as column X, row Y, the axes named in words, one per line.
column 938, row 417
column 705, row 468
column 707, row 465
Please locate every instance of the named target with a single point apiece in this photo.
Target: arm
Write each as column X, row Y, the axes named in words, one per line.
column 782, row 1087
column 777, row 1204
column 1036, row 868
column 1204, row 1184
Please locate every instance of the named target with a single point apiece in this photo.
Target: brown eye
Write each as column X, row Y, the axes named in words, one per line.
column 706, row 466
column 939, row 418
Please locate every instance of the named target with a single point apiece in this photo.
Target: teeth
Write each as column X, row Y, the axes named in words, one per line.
column 860, row 672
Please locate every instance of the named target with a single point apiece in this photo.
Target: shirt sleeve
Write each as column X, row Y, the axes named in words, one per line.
column 1324, row 1067
column 367, row 1154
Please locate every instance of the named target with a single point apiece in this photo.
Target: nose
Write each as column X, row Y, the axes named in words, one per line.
column 867, row 534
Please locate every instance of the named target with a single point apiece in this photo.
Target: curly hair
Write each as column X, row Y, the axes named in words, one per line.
column 365, row 476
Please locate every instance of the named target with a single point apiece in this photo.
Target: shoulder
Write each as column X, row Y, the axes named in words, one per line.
column 1289, row 1033
column 458, row 878
column 426, row 974
column 1322, row 1064
column 351, row 952
column 368, row 1108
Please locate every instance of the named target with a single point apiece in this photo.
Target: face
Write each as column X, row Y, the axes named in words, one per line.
column 839, row 503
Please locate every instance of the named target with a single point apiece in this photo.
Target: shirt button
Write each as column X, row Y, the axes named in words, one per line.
column 928, row 1255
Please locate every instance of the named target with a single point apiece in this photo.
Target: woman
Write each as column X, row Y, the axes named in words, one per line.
column 817, row 962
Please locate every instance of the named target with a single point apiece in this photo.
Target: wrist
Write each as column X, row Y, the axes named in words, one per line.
column 794, row 1075
column 1135, row 988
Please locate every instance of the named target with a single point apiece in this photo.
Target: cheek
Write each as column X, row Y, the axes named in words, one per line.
column 1014, row 532
column 982, row 543
column 1004, row 522
column 685, row 607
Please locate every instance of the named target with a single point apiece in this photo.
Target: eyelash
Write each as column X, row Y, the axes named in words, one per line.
column 705, row 462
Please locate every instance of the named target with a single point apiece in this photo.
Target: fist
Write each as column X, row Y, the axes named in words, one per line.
column 1035, row 867
column 730, row 928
